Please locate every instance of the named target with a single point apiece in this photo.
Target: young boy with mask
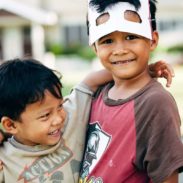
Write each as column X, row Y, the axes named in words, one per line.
column 134, row 126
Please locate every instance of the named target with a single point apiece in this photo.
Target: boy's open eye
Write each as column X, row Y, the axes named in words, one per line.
column 106, row 41
column 131, row 37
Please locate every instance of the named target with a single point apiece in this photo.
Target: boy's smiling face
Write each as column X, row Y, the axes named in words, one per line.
column 122, row 38
column 125, row 54
column 41, row 122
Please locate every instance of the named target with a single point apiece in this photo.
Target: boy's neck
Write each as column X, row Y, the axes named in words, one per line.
column 123, row 89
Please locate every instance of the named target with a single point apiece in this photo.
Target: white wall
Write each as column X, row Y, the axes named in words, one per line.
column 30, row 2
column 12, row 42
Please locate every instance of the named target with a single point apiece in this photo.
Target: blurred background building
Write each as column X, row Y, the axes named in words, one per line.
column 28, row 27
column 170, row 22
column 33, row 27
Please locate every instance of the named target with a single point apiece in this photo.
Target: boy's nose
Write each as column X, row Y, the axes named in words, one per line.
column 120, row 49
column 59, row 118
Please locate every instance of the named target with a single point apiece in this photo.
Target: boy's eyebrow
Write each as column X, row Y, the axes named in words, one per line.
column 103, row 37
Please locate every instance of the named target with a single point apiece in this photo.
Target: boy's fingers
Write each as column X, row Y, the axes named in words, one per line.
column 166, row 74
column 167, row 67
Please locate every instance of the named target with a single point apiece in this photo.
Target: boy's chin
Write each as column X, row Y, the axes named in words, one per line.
column 53, row 143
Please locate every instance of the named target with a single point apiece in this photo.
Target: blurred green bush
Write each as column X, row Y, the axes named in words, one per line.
column 85, row 52
column 176, row 49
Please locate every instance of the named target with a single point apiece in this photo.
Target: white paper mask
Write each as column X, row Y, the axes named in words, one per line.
column 117, row 21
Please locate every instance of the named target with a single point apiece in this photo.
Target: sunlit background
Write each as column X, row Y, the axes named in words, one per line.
column 54, row 32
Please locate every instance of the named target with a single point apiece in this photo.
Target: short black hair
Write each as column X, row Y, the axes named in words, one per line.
column 23, row 82
column 101, row 5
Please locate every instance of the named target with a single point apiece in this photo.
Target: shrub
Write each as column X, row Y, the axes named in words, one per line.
column 176, row 49
column 56, row 49
column 85, row 52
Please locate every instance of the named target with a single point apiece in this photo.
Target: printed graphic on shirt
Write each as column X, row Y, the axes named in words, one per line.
column 44, row 168
column 91, row 180
column 98, row 141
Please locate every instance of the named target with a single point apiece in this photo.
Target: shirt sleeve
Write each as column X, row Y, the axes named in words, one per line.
column 77, row 106
column 1, row 176
column 162, row 153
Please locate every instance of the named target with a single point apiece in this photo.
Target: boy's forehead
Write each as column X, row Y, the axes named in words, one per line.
column 121, row 16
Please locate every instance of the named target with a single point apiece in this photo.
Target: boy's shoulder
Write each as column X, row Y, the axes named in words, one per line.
column 155, row 100
column 155, row 93
column 157, row 106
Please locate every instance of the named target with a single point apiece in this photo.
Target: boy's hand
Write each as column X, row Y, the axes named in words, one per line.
column 162, row 69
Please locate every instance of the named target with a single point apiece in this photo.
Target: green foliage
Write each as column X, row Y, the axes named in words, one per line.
column 56, row 49
column 175, row 49
column 85, row 52
column 66, row 89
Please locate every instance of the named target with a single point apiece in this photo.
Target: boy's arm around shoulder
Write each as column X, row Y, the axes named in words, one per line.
column 97, row 78
column 158, row 69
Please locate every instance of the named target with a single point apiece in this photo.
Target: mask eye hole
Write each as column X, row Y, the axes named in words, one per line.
column 103, row 18
column 132, row 16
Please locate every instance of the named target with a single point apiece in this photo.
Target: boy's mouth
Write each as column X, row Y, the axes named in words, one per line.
column 55, row 132
column 123, row 61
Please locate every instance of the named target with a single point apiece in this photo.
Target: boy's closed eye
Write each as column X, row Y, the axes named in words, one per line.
column 44, row 117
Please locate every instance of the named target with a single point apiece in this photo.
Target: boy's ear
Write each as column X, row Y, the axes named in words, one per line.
column 154, row 41
column 8, row 125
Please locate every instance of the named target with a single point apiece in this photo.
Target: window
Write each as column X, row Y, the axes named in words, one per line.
column 75, row 35
column 170, row 25
column 27, row 41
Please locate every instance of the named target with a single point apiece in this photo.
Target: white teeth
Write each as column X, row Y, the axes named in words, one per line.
column 122, row 62
column 54, row 132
